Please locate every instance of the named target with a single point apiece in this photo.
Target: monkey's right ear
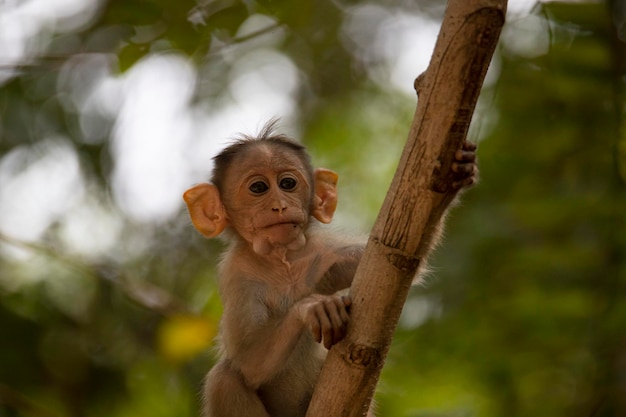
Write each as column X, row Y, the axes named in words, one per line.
column 205, row 209
column 325, row 199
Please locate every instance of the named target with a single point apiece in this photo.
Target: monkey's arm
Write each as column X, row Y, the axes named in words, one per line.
column 259, row 341
column 340, row 274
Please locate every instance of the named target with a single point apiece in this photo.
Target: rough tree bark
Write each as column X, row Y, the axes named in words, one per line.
column 418, row 197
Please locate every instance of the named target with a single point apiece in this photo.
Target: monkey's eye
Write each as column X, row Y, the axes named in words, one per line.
column 258, row 187
column 288, row 183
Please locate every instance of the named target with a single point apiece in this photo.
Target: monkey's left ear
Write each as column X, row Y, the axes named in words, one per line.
column 206, row 210
column 325, row 200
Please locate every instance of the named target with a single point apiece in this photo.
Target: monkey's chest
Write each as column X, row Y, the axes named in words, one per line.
column 280, row 298
column 287, row 286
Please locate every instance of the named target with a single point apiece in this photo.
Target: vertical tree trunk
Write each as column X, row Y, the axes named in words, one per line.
column 419, row 194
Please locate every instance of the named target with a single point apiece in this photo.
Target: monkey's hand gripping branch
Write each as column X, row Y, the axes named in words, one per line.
column 326, row 316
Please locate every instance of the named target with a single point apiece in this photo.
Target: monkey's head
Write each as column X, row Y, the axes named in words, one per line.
column 266, row 191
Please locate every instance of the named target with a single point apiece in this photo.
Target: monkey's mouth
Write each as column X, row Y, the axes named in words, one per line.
column 286, row 228
column 285, row 224
column 283, row 232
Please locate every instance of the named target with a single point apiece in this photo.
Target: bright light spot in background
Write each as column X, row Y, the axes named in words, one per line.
column 417, row 310
column 264, row 81
column 263, row 86
column 527, row 37
column 151, row 133
column 408, row 42
column 39, row 183
column 360, row 36
column 396, row 47
column 88, row 88
column 91, row 228
column 21, row 23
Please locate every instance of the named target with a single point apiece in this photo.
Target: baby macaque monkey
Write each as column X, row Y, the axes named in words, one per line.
column 280, row 276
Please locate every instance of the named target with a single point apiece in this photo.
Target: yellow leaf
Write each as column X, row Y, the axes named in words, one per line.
column 181, row 337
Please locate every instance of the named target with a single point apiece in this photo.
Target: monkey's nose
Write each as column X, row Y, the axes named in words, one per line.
column 279, row 209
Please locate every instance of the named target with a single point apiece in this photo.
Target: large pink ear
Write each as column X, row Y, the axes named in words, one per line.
column 205, row 209
column 325, row 200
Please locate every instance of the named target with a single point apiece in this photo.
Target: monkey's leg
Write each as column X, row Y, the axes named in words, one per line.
column 226, row 395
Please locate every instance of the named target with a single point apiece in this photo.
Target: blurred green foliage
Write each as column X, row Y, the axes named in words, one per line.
column 524, row 313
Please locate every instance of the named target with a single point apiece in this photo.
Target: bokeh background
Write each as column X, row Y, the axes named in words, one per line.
column 110, row 109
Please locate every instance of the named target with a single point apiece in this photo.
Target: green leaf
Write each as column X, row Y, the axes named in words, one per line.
column 130, row 54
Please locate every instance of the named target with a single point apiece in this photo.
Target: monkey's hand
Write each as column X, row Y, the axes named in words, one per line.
column 464, row 166
column 326, row 316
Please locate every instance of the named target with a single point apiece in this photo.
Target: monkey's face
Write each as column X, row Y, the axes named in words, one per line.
column 267, row 198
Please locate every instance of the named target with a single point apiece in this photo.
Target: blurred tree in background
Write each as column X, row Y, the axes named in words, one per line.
column 110, row 109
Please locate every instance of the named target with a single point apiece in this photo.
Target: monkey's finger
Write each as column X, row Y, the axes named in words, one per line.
column 334, row 307
column 465, row 156
column 344, row 309
column 347, row 301
column 469, row 146
column 464, row 183
column 314, row 324
column 325, row 324
column 344, row 315
column 465, row 169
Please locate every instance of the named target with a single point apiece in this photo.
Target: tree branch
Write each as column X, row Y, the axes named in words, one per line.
column 143, row 293
column 419, row 195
